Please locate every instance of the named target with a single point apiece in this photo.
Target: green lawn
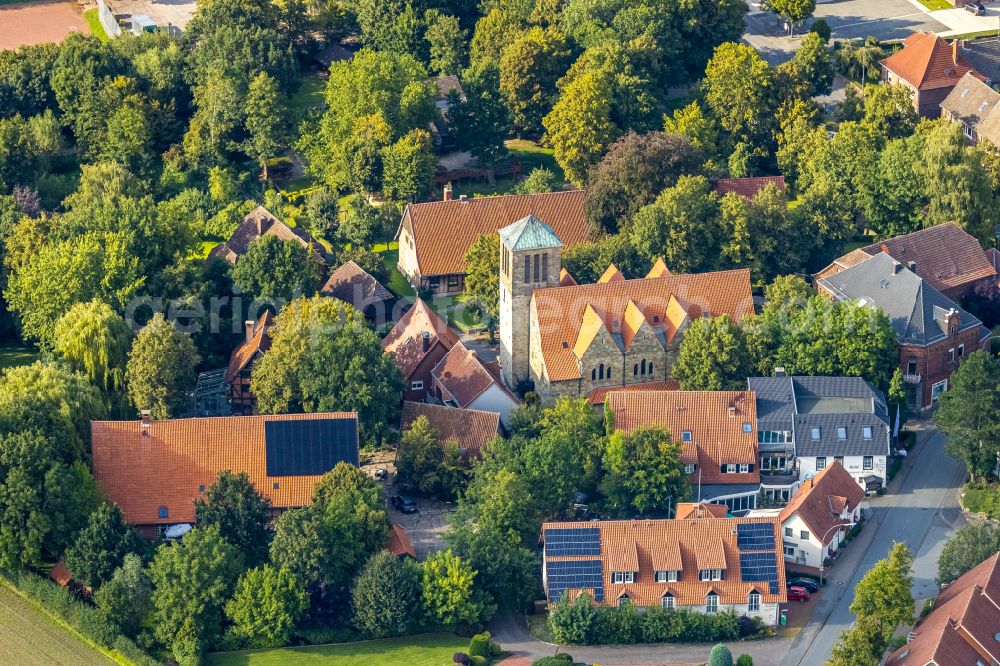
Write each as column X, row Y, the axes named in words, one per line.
column 28, row 637
column 424, row 650
column 982, row 498
column 934, row 5
column 94, row 23
column 13, row 355
column 397, row 283
column 310, row 94
column 531, row 156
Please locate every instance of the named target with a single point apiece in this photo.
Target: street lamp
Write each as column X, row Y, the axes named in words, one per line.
column 822, row 544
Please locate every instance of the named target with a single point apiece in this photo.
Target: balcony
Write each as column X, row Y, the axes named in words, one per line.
column 779, row 477
column 911, row 379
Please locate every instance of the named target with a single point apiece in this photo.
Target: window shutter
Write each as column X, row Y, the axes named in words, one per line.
column 750, row 468
column 722, row 468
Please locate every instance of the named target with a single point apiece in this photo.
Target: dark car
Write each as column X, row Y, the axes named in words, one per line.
column 404, row 504
column 798, row 593
column 975, row 8
column 811, row 586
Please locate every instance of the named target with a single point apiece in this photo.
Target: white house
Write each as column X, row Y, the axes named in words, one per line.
column 462, row 379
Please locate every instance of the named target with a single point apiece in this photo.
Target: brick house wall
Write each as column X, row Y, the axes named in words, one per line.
column 934, row 364
column 422, row 373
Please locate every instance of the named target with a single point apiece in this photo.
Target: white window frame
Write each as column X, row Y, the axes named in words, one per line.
column 815, row 432
column 868, row 463
column 841, row 432
column 820, row 463
column 744, row 468
column 622, row 577
column 685, row 435
column 660, row 577
column 689, row 468
column 672, row 575
column 705, row 575
column 713, row 607
column 866, row 432
column 730, row 468
column 937, row 388
column 669, row 602
column 790, row 554
column 753, row 601
column 951, row 354
column 961, row 351
column 416, row 386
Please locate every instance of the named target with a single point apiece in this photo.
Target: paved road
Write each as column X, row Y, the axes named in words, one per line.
column 922, row 512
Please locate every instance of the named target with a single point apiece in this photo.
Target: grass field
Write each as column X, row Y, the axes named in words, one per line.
column 934, row 5
column 94, row 23
column 29, row 638
column 310, row 94
column 425, row 650
column 13, row 355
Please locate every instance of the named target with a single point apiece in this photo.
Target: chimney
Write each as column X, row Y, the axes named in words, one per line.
column 954, row 51
column 248, row 329
column 897, row 268
column 147, row 422
column 426, row 337
column 731, row 410
column 463, row 199
column 447, row 192
column 912, row 265
column 779, row 371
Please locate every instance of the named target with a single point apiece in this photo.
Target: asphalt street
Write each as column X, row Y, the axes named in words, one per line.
column 923, row 512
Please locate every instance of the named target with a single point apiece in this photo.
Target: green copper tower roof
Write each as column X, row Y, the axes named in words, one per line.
column 529, row 233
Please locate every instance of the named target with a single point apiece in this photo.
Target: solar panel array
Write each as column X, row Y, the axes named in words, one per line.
column 755, row 536
column 760, row 567
column 574, row 575
column 309, row 447
column 573, row 541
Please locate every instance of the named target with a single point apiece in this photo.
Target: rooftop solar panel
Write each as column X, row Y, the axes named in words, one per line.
column 573, row 541
column 575, row 575
column 760, row 567
column 755, row 536
column 309, row 447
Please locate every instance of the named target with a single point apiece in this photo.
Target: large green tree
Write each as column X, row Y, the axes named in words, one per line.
column 95, row 340
column 266, row 607
column 739, row 89
column 969, row 413
column 860, row 645
column 644, row 472
column 386, row 596
column 274, row 267
column 428, row 464
column 100, row 547
column 449, row 593
column 266, row 111
column 682, row 226
column 971, row 545
column 324, row 358
column 241, row 513
column 160, row 369
column 884, row 592
column 482, row 278
column 714, row 356
column 126, row 598
column 408, row 166
column 530, row 65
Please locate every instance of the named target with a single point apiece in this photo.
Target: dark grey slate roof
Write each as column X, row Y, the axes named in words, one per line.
column 916, row 310
column 712, row 492
column 775, row 402
column 854, row 444
column 984, row 55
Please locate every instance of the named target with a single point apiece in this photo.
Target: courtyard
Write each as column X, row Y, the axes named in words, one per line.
column 26, row 24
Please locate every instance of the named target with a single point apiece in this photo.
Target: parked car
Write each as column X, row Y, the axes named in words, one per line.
column 404, row 504
column 975, row 8
column 381, row 474
column 811, row 585
column 796, row 593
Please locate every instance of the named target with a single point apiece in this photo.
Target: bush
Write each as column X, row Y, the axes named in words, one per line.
column 560, row 659
column 982, row 498
column 461, row 658
column 821, row 28
column 744, row 660
column 581, row 623
column 483, row 646
column 477, row 660
column 720, row 656
column 896, row 642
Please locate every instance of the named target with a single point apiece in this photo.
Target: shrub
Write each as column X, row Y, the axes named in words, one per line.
column 574, row 622
column 821, row 28
column 461, row 658
column 477, row 660
column 720, row 656
column 744, row 660
column 482, row 645
column 580, row 622
column 560, row 659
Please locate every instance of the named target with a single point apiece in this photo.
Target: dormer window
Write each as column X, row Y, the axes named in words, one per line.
column 668, row 601
column 622, row 577
column 753, row 601
column 841, row 432
column 866, row 432
column 686, row 436
column 814, row 433
column 709, row 574
column 689, row 468
column 624, row 600
column 668, row 576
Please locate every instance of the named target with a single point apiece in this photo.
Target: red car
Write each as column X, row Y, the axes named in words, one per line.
column 798, row 593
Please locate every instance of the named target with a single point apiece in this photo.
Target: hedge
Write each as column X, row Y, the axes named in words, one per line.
column 80, row 615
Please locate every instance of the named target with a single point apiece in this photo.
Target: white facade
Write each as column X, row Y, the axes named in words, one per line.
column 495, row 399
column 801, row 546
column 857, row 466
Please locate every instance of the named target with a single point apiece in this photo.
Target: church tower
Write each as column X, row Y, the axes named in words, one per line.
column 530, row 258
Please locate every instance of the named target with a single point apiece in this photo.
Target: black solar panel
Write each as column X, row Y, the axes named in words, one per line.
column 577, row 575
column 309, row 447
column 755, row 536
column 573, row 541
column 760, row 567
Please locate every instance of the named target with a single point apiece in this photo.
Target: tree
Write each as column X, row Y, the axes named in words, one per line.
column 894, row 198
column 408, row 166
column 266, row 607
column 884, row 592
column 889, row 110
column 968, row 413
column 587, row 261
column 700, row 129
column 635, row 170
column 644, row 471
column 762, row 236
column 506, row 567
column 361, row 222
column 240, row 512
column 713, row 356
column 447, row 43
column 386, row 596
column 739, row 86
column 191, row 582
column 125, row 599
column 428, row 464
column 481, row 121
column 580, row 126
column 265, row 110
column 277, row 268
column 160, row 368
column 682, row 226
column 971, row 545
column 812, row 65
column 389, row 25
column 448, row 594
column 482, row 278
column 574, row 622
column 323, row 209
column 530, row 66
column 301, row 544
column 539, row 180
column 720, row 656
column 94, row 340
column 793, row 10
column 100, row 547
column 324, row 358
column 861, row 645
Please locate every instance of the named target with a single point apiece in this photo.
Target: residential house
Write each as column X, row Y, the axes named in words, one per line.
column 259, row 223
column 434, row 236
column 239, row 374
column 930, row 68
column 962, row 628
column 805, row 424
column 462, row 379
column 717, row 434
column 944, row 255
column 333, row 53
column 352, row 284
column 984, row 54
column 976, row 107
column 569, row 339
column 707, row 564
column 155, row 470
column 701, row 510
column 934, row 333
column 417, row 342
column 815, row 522
column 470, row 429
column 748, row 188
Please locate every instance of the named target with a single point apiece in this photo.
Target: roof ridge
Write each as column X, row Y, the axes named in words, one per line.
column 493, row 197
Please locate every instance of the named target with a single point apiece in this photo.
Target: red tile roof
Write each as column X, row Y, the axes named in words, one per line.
column 443, row 231
column 353, row 284
column 647, row 546
column 260, row 341
column 406, row 339
column 927, row 62
column 464, row 376
column 665, row 302
column 142, row 473
column 822, row 499
column 471, row 429
column 702, row 510
column 60, row 574
column 962, row 627
column 599, row 395
column 748, row 187
column 399, row 543
column 715, row 419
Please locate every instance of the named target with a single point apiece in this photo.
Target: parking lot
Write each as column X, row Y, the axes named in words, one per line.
column 885, row 19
